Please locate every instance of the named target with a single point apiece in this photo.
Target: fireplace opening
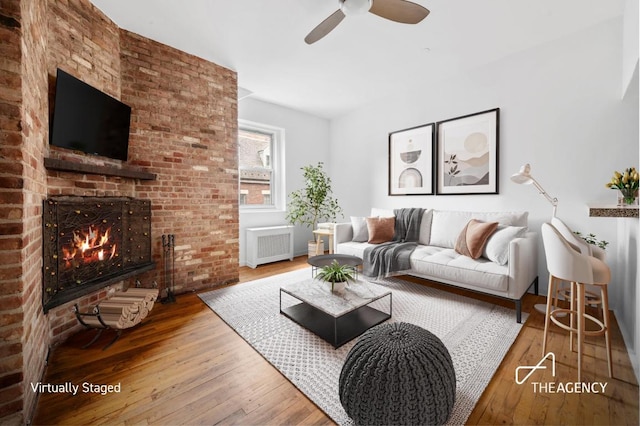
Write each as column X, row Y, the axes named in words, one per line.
column 91, row 242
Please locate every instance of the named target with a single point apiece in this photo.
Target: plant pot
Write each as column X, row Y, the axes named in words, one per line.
column 338, row 287
column 315, row 248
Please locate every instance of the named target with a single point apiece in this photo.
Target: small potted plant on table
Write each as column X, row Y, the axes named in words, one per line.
column 338, row 275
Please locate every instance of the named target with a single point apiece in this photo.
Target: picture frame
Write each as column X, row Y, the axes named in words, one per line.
column 467, row 154
column 411, row 160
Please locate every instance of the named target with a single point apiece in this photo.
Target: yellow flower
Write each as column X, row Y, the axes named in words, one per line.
column 629, row 179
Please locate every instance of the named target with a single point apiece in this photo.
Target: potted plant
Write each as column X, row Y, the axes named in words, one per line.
column 338, row 275
column 314, row 202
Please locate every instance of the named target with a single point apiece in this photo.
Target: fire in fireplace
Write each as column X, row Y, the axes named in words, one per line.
column 90, row 242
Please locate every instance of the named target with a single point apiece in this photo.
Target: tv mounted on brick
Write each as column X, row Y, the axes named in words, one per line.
column 88, row 120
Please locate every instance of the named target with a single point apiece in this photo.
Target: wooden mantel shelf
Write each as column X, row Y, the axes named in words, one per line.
column 72, row 166
column 602, row 210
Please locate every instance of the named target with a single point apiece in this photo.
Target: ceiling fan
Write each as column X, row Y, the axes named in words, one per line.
column 402, row 11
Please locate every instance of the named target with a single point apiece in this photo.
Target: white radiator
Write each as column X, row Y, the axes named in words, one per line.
column 269, row 244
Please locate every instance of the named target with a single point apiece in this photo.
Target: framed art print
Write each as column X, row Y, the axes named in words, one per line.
column 411, row 161
column 467, row 154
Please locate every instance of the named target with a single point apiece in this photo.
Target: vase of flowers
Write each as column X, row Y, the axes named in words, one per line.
column 627, row 184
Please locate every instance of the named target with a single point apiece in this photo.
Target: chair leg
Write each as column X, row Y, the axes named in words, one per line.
column 580, row 301
column 547, row 318
column 605, row 316
column 572, row 319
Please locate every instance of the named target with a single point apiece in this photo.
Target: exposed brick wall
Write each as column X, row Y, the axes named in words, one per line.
column 23, row 127
column 35, row 130
column 11, row 214
column 184, row 128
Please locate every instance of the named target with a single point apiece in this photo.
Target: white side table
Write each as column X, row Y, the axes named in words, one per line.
column 320, row 233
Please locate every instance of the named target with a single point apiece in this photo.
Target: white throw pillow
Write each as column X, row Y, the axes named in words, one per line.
column 446, row 226
column 497, row 247
column 360, row 232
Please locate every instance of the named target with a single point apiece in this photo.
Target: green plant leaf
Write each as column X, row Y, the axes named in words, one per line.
column 336, row 273
column 315, row 202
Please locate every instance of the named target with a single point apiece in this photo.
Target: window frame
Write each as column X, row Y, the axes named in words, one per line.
column 278, row 195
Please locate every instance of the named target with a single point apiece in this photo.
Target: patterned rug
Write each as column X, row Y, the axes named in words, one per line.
column 477, row 335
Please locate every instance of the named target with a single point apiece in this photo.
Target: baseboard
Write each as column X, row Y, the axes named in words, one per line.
column 628, row 340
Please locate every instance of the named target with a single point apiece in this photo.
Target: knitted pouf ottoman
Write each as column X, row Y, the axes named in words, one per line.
column 398, row 374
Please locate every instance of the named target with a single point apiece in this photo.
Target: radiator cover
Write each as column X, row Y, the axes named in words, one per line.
column 269, row 244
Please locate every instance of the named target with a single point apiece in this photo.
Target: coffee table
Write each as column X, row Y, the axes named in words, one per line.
column 336, row 318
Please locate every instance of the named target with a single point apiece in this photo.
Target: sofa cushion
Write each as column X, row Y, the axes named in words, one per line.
column 445, row 265
column 381, row 229
column 353, row 248
column 497, row 247
column 425, row 227
column 447, row 225
column 360, row 232
column 473, row 238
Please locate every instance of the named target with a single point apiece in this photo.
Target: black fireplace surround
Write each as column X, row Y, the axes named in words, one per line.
column 91, row 242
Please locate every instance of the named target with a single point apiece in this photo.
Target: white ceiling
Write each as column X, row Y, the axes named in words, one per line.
column 366, row 57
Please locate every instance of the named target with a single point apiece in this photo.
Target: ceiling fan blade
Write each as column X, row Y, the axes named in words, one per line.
column 325, row 27
column 402, row 11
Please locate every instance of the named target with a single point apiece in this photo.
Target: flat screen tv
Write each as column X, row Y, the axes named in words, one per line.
column 88, row 120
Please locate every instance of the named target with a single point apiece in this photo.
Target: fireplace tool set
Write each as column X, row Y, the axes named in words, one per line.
column 169, row 261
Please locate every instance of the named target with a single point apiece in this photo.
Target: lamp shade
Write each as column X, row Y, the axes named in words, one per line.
column 523, row 176
column 355, row 7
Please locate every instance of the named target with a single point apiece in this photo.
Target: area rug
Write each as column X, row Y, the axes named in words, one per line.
column 477, row 335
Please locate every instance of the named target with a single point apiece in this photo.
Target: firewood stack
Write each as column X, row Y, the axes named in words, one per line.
column 123, row 310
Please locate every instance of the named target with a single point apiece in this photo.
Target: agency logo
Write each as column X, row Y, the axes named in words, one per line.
column 524, row 373
column 533, row 368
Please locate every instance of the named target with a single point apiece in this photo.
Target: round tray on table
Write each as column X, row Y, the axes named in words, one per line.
column 326, row 260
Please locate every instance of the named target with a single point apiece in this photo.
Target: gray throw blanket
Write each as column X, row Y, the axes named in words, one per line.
column 384, row 259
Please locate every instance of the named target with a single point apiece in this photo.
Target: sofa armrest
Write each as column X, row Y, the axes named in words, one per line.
column 523, row 264
column 342, row 232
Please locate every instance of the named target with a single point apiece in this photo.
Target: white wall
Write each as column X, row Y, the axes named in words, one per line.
column 306, row 142
column 560, row 111
column 630, row 44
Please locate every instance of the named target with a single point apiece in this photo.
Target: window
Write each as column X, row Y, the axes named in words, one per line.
column 259, row 157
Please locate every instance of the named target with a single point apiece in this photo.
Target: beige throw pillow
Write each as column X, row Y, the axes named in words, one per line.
column 473, row 237
column 381, row 229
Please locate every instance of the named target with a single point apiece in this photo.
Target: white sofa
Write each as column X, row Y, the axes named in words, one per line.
column 507, row 267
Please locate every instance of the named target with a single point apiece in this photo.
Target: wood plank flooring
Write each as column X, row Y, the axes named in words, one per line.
column 184, row 365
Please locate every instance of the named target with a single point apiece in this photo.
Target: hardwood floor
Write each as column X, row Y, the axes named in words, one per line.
column 184, row 365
